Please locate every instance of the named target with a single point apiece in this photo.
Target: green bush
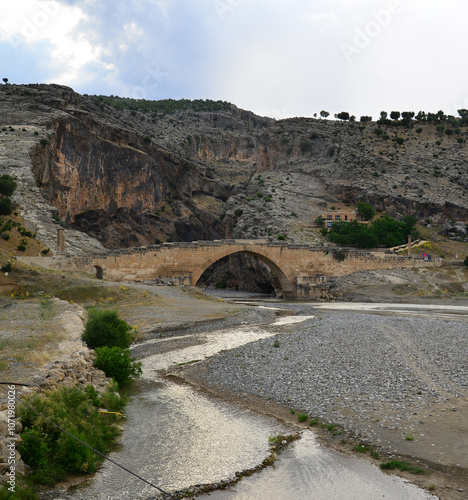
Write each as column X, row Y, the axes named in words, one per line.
column 105, row 328
column 466, row 261
column 7, row 185
column 33, row 448
column 117, row 363
column 7, row 267
column 21, row 247
column 306, row 146
column 5, row 206
column 238, row 212
column 112, row 400
column 51, row 453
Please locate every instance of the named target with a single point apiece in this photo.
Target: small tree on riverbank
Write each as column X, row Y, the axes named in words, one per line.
column 106, row 329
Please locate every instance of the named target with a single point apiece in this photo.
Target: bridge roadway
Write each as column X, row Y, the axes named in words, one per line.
column 302, row 270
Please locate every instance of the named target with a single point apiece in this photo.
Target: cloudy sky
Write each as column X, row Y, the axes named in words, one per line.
column 278, row 58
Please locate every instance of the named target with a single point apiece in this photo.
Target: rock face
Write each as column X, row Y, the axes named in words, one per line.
column 125, row 177
column 455, row 230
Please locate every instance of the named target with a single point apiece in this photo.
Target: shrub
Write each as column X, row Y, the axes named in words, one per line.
column 117, row 363
column 5, row 206
column 21, row 247
column 112, row 400
column 305, row 146
column 93, row 396
column 339, row 255
column 238, row 212
column 268, row 198
column 7, row 267
column 7, row 185
column 281, row 237
column 466, row 261
column 5, row 236
column 33, row 448
column 105, row 328
column 52, row 454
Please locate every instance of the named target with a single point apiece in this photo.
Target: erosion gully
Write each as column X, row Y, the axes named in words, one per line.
column 177, row 436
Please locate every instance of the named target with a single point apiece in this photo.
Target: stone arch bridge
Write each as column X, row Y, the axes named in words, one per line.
column 302, row 270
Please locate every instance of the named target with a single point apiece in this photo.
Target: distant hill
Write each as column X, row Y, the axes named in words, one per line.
column 131, row 173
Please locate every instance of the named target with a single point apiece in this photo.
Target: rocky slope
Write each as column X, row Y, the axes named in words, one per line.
column 129, row 177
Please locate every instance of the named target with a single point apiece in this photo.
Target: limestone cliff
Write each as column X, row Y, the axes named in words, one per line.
column 130, row 176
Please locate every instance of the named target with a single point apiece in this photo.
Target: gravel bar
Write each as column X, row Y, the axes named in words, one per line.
column 348, row 368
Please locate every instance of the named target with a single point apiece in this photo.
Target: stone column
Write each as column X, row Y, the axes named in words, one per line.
column 60, row 241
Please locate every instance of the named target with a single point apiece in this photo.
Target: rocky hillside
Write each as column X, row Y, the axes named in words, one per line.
column 131, row 173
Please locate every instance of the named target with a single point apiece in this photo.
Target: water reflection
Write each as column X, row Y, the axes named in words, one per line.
column 306, row 470
column 176, row 437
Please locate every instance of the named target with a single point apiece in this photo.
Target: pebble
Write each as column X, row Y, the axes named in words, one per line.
column 366, row 365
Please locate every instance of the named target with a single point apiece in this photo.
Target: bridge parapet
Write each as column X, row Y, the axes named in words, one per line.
column 300, row 268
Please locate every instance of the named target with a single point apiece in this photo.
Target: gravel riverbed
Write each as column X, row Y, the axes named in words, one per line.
column 383, row 377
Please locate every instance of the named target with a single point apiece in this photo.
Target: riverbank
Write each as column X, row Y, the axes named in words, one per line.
column 395, row 382
column 40, row 335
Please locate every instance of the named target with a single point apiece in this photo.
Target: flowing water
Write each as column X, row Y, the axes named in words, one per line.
column 176, row 437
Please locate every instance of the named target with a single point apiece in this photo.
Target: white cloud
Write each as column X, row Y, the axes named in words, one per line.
column 264, row 55
column 325, row 19
column 33, row 21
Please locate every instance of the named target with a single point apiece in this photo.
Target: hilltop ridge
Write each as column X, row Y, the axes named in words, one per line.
column 184, row 174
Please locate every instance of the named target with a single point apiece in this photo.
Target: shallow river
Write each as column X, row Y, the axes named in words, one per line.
column 176, row 437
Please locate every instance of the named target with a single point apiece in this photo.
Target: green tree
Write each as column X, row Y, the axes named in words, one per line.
column 105, row 328
column 6, row 207
column 8, row 185
column 395, row 115
column 407, row 117
column 319, row 220
column 342, row 116
column 324, row 114
column 365, row 210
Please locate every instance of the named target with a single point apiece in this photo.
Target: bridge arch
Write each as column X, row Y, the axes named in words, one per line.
column 285, row 282
column 98, row 271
